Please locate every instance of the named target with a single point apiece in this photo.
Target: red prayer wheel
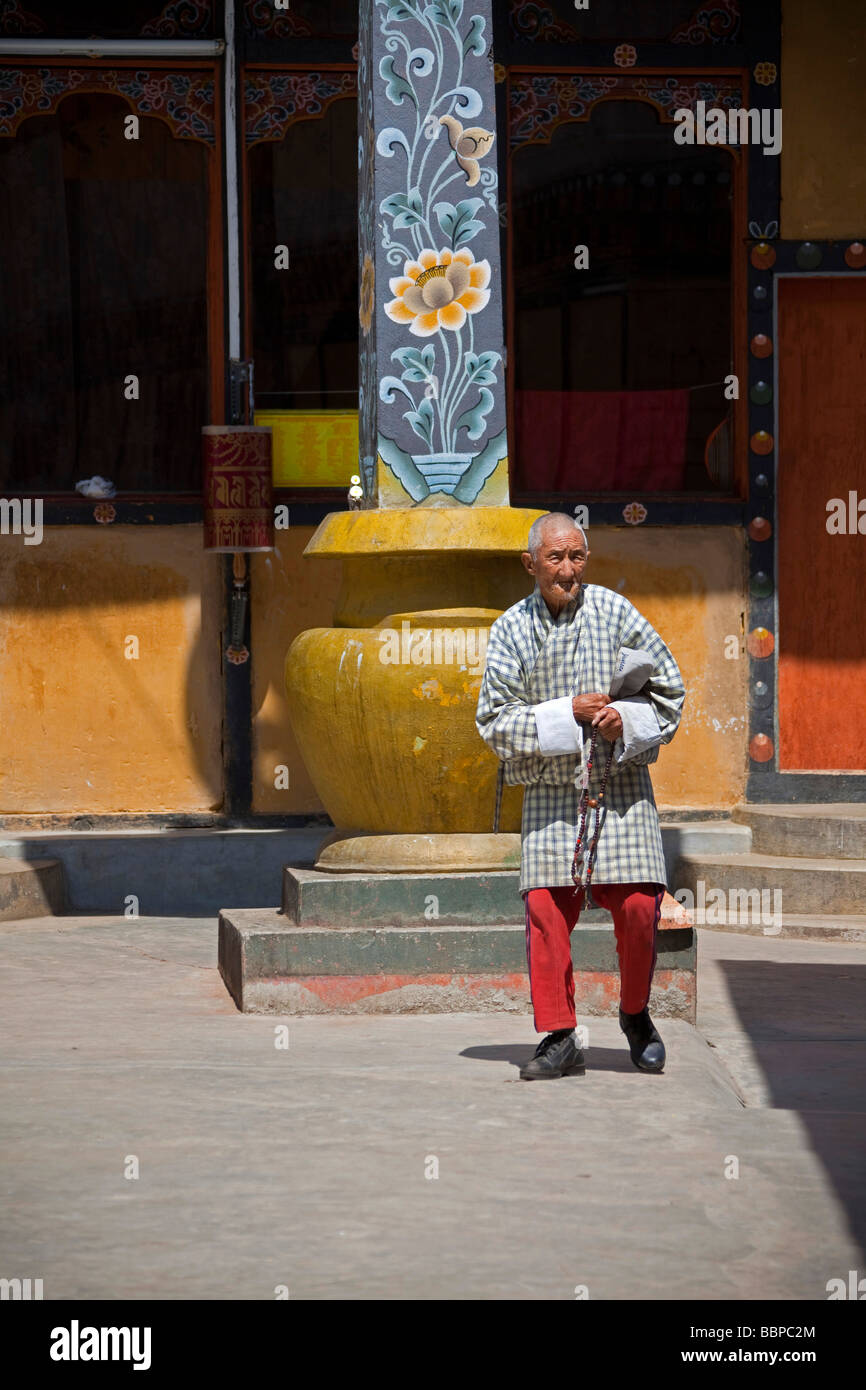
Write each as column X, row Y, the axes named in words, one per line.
column 238, row 488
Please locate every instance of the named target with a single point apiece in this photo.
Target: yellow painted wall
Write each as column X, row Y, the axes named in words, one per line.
column 689, row 582
column 823, row 119
column 83, row 728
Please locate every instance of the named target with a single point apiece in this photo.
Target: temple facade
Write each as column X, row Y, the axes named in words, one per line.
column 606, row 259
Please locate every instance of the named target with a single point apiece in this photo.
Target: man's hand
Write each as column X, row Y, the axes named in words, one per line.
column 609, row 723
column 586, row 707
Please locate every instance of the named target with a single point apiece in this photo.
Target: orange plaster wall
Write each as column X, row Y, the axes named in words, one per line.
column 823, row 119
column 83, row 728
column 689, row 582
column 289, row 595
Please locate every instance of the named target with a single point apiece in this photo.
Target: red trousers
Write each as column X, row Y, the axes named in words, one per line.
column 551, row 916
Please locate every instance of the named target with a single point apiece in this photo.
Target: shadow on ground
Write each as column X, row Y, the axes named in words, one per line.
column 806, row 1025
column 603, row 1058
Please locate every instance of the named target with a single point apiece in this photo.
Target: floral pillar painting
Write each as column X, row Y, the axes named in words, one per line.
column 432, row 399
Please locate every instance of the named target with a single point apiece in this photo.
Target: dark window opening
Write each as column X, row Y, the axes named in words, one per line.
column 304, row 196
column 619, row 368
column 109, row 19
column 103, row 275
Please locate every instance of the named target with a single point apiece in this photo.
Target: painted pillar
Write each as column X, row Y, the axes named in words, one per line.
column 432, row 395
column 383, row 704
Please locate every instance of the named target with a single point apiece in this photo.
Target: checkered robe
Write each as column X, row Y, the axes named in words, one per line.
column 533, row 661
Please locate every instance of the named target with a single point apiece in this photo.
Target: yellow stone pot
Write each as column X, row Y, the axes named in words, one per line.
column 383, row 704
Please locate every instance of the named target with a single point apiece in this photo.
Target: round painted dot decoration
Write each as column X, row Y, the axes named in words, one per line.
column 760, row 643
column 762, row 256
column 761, row 442
column 761, row 393
column 808, row 256
column 761, row 749
column 761, row 585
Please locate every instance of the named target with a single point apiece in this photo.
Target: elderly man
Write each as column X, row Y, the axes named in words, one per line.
column 555, row 663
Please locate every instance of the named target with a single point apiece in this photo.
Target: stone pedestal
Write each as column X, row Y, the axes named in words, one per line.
column 425, row 943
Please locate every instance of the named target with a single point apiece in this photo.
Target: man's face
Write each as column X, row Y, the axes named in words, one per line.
column 558, row 565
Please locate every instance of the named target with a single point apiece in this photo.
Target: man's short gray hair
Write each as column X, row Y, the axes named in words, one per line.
column 537, row 528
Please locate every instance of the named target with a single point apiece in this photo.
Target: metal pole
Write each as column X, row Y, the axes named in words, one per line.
column 112, row 48
column 233, row 257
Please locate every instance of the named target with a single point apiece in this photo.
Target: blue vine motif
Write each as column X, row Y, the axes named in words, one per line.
column 440, row 287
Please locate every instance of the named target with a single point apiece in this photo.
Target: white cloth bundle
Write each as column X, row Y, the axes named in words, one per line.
column 559, row 731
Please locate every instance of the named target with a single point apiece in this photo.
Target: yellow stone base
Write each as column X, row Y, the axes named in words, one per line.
column 346, row 852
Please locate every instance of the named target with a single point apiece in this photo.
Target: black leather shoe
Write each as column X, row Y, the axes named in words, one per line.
column 646, row 1047
column 556, row 1055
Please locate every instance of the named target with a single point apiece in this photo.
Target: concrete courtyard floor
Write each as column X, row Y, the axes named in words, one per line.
column 312, row 1166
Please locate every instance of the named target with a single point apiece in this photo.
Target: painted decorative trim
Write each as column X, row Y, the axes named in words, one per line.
column 765, row 74
column 275, row 100
column 769, row 257
column 265, row 22
column 533, row 22
column 16, row 22
column 181, row 19
column 368, row 375
column 184, row 100
column 634, row 513
column 540, row 102
column 716, row 21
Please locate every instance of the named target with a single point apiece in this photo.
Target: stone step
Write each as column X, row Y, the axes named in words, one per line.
column 195, row 871
column 803, row 926
column 822, row 886
column 30, row 888
column 702, row 837
column 318, row 898
column 834, row 830
column 172, row 872
column 271, row 965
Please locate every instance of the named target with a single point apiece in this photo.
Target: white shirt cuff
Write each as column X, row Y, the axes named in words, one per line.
column 640, row 727
column 558, row 732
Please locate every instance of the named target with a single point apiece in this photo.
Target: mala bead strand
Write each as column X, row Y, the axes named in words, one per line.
column 599, row 819
column 584, row 802
column 596, row 803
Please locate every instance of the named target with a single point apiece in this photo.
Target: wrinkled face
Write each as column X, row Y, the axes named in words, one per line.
column 559, row 564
